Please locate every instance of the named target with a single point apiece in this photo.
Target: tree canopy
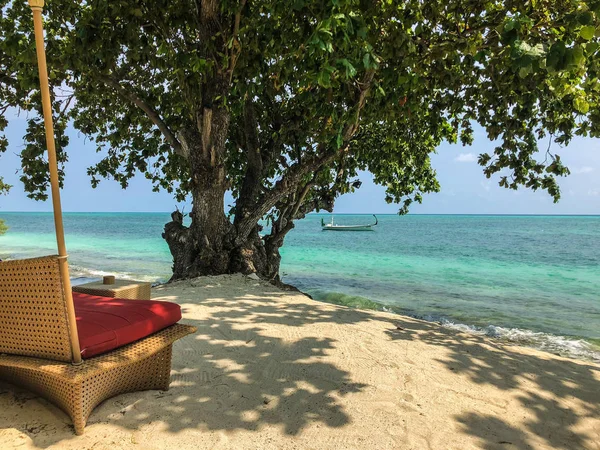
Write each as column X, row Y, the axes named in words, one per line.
column 283, row 102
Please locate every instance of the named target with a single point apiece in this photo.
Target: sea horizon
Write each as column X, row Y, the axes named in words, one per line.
column 323, row 214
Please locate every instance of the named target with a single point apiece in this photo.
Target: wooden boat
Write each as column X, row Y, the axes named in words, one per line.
column 334, row 227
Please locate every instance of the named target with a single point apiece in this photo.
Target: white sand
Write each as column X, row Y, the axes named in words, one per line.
column 270, row 369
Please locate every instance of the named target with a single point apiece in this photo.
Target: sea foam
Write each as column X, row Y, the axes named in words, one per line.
column 83, row 273
column 567, row 346
column 560, row 345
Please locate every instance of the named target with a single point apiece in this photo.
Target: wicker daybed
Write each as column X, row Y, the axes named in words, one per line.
column 38, row 352
column 129, row 348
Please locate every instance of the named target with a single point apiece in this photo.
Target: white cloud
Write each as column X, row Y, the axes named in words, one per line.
column 584, row 169
column 594, row 192
column 466, row 157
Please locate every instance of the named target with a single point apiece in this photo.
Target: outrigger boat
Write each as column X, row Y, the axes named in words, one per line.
column 334, row 227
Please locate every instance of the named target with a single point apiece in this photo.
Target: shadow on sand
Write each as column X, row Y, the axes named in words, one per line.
column 247, row 379
column 487, row 362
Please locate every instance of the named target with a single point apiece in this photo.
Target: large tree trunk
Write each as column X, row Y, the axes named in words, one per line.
column 197, row 251
column 272, row 260
column 200, row 249
column 211, row 244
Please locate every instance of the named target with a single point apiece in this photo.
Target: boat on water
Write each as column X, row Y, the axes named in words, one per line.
column 335, row 227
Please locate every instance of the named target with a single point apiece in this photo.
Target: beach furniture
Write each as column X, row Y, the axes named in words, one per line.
column 137, row 290
column 37, row 342
column 47, row 334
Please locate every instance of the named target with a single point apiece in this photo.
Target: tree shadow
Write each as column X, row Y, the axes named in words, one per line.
column 542, row 382
column 493, row 432
column 246, row 378
column 252, row 368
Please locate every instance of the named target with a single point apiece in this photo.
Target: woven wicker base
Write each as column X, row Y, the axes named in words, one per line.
column 77, row 390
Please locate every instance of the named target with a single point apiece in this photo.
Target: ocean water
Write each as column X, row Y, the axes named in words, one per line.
column 533, row 280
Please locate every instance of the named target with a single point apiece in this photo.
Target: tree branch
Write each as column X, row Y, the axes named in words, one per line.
column 282, row 188
column 301, row 198
column 300, row 169
column 236, row 47
column 150, row 112
column 298, row 209
column 66, row 107
column 254, row 168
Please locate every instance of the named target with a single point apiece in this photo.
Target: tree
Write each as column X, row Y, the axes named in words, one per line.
column 283, row 102
column 4, row 188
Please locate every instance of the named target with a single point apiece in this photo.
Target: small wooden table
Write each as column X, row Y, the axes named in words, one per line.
column 134, row 290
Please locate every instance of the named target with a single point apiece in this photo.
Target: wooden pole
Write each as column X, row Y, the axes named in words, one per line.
column 36, row 8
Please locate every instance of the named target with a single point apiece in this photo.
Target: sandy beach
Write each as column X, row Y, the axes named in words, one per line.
column 274, row 369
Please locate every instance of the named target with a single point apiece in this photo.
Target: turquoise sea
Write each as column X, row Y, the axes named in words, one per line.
column 533, row 280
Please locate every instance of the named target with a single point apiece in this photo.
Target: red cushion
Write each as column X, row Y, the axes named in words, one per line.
column 105, row 323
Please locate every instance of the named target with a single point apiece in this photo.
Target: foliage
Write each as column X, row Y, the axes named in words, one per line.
column 4, row 188
column 307, row 91
column 521, row 69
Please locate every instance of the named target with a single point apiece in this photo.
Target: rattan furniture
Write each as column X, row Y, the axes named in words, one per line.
column 133, row 290
column 36, row 348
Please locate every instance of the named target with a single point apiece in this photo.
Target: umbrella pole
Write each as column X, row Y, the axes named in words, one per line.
column 36, row 8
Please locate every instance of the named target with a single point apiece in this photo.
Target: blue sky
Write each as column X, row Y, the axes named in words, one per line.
column 465, row 190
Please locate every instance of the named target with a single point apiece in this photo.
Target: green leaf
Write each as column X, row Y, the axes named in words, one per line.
column 581, row 105
column 591, row 47
column 524, row 71
column 324, row 79
column 350, row 69
column 510, row 25
column 367, row 60
column 585, row 18
column 587, row 32
column 578, row 56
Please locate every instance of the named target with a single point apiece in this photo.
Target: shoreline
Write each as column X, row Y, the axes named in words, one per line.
column 273, row 369
column 491, row 332
column 512, row 336
column 572, row 347
column 500, row 334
